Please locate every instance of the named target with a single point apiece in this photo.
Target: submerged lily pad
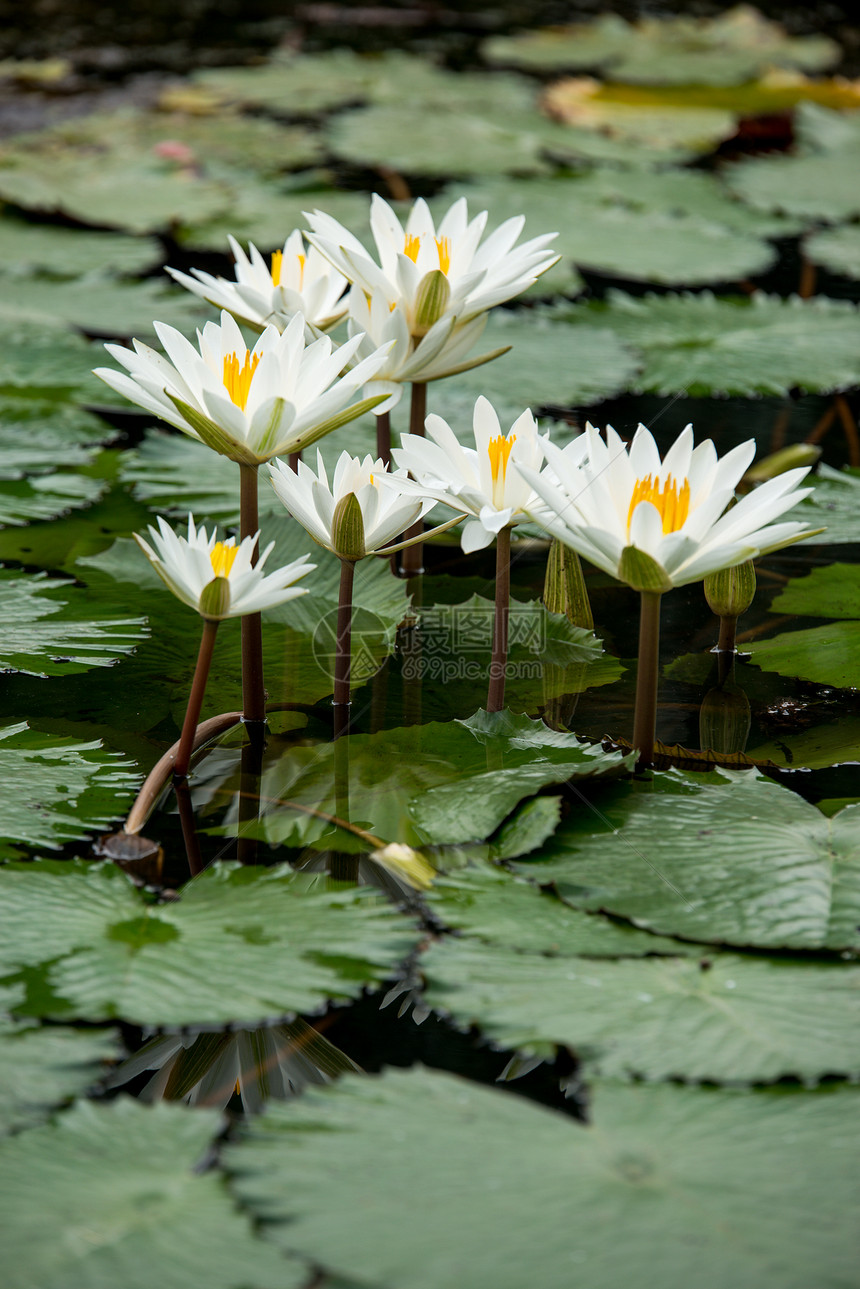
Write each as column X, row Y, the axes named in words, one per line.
column 128, row 1202
column 52, row 637
column 732, row 48
column 56, row 790
column 247, row 944
column 668, row 1186
column 726, row 1018
column 701, row 345
column 734, row 859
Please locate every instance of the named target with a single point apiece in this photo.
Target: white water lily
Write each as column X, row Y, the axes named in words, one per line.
column 217, row 578
column 618, row 503
column 441, row 352
column 483, row 481
column 325, row 510
column 430, row 272
column 252, row 405
column 298, row 279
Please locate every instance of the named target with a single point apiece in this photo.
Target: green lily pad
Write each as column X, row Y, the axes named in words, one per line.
column 264, row 211
column 730, row 858
column 43, row 1066
column 409, row 139
column 723, row 1019
column 34, row 436
column 732, row 48
column 128, row 1201
column 46, row 496
column 52, row 637
column 247, row 944
column 833, row 506
column 101, row 306
column 497, row 908
column 702, row 345
column 708, row 1187
column 816, row 182
column 831, row 592
column 829, row 655
column 823, row 746
column 56, row 790
column 27, row 249
column 837, row 250
column 547, row 364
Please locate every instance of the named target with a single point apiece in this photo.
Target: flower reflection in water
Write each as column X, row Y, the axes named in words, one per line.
column 271, row 1062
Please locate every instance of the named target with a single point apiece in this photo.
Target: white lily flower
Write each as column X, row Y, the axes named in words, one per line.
column 483, row 481
column 328, row 510
column 441, row 352
column 252, row 405
column 618, row 501
column 298, row 280
column 429, row 271
column 217, row 578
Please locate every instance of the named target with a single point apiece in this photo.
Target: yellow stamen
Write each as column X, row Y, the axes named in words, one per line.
column 411, row 247
column 237, row 379
column 223, row 556
column 499, row 450
column 277, row 264
column 443, row 246
column 671, row 501
column 301, row 260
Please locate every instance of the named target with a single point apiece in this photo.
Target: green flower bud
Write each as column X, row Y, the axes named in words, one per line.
column 215, row 598
column 730, row 592
column 564, row 586
column 431, row 301
column 790, row 458
column 347, row 529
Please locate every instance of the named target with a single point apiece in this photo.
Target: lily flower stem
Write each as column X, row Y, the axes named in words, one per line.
column 499, row 663
column 728, row 632
column 645, row 714
column 253, row 692
column 343, row 866
column 413, row 556
column 189, row 827
column 344, row 639
column 195, row 699
column 383, row 437
column 293, row 459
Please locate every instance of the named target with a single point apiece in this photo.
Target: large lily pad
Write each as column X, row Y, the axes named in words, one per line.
column 55, row 790
column 816, row 183
column 247, row 944
column 128, row 1202
column 836, row 249
column 727, row 50
column 59, row 252
column 735, row 859
column 655, row 126
column 828, row 655
column 547, row 364
column 43, row 1066
column 724, row 1019
column 34, row 436
column 46, row 497
column 668, row 1186
column 702, row 345
column 831, row 592
column 264, row 211
column 46, row 636
column 101, row 306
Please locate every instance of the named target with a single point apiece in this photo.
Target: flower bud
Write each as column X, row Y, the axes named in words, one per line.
column 797, row 454
column 347, row 529
column 564, row 586
column 730, row 591
column 215, row 599
column 431, row 301
column 409, row 865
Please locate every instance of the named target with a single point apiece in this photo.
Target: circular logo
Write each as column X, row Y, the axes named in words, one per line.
column 369, row 646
